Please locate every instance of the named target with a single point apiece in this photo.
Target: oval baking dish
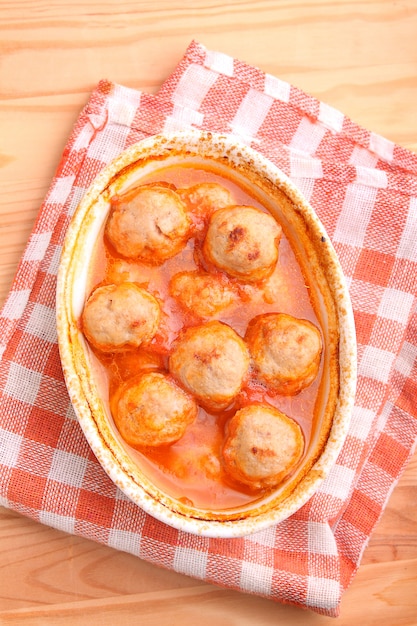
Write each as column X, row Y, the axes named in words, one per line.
column 150, row 476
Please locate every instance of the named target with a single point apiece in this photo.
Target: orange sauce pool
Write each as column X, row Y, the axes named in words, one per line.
column 191, row 470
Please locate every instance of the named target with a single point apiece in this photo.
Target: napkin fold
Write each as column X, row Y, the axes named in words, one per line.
column 364, row 189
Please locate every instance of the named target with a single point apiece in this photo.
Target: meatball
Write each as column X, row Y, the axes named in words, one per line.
column 286, row 351
column 148, row 223
column 211, row 361
column 203, row 294
column 197, row 462
column 243, row 241
column 116, row 317
column 262, row 446
column 151, row 410
column 205, row 198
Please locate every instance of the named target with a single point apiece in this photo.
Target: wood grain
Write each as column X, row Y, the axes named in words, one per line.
column 359, row 56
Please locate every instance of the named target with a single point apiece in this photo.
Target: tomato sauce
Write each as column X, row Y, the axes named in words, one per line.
column 191, row 470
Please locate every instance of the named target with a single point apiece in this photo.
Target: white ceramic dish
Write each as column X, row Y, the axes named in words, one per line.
column 85, row 377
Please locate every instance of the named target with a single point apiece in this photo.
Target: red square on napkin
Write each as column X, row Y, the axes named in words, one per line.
column 364, row 189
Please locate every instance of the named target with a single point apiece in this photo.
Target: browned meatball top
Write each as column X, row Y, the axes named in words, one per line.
column 205, row 198
column 262, row 447
column 211, row 361
column 202, row 294
column 148, row 223
column 243, row 241
column 153, row 411
column 286, row 351
column 116, row 317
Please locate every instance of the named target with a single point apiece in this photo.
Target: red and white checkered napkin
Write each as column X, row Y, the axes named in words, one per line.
column 364, row 189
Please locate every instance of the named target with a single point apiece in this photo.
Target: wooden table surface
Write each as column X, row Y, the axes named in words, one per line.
column 359, row 56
